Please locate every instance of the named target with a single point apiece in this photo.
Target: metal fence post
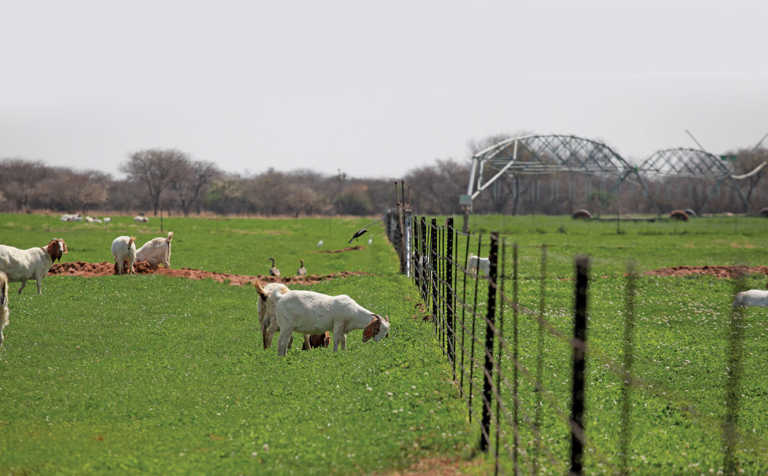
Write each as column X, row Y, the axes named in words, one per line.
column 733, row 381
column 433, row 270
column 579, row 365
column 490, row 329
column 424, row 261
column 449, row 317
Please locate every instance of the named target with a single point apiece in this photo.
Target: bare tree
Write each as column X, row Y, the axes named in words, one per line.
column 191, row 182
column 156, row 169
column 20, row 180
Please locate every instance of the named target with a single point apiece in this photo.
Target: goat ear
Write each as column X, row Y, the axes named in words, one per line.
column 371, row 329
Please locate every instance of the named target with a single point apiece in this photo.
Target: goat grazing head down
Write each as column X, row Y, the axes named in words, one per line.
column 377, row 329
column 56, row 248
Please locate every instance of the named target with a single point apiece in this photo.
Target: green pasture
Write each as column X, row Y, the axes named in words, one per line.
column 153, row 374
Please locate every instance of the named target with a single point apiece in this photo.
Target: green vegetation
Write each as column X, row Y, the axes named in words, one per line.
column 166, row 375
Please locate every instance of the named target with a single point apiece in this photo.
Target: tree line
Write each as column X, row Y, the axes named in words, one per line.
column 170, row 180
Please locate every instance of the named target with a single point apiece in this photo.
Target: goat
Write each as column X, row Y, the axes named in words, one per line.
column 156, row 251
column 753, row 297
column 309, row 312
column 316, row 340
column 75, row 217
column 34, row 263
column 141, row 219
column 4, row 312
column 475, row 263
column 266, row 306
column 124, row 249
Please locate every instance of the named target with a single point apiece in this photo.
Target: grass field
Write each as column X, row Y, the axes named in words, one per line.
column 166, row 375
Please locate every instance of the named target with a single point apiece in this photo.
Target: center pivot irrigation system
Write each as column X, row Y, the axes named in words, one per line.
column 554, row 153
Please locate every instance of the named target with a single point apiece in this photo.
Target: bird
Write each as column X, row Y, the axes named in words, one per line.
column 320, row 243
column 273, row 271
column 358, row 234
column 302, row 271
column 370, row 240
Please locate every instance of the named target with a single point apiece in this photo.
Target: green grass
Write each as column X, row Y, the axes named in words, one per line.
column 162, row 375
column 680, row 343
column 166, row 375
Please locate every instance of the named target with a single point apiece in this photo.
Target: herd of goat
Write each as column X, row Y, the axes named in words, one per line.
column 315, row 315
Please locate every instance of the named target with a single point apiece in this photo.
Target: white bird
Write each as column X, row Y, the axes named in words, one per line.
column 320, row 243
column 370, row 241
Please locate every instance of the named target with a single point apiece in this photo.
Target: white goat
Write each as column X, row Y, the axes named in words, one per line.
column 753, row 297
column 140, row 219
column 266, row 305
column 309, row 312
column 475, row 263
column 4, row 312
column 124, row 249
column 156, row 251
column 34, row 263
column 75, row 217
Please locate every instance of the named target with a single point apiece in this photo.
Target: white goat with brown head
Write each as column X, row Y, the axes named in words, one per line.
column 308, row 312
column 33, row 263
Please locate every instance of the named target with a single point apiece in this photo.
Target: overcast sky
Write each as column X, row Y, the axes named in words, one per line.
column 373, row 88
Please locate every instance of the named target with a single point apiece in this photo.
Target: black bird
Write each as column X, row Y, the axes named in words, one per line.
column 302, row 271
column 357, row 234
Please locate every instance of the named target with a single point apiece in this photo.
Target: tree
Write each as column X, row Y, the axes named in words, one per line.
column 156, row 169
column 20, row 180
column 191, row 183
column 746, row 161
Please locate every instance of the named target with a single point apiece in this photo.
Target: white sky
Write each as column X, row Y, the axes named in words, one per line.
column 373, row 88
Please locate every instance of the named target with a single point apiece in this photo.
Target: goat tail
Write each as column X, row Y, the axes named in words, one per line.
column 260, row 289
column 170, row 237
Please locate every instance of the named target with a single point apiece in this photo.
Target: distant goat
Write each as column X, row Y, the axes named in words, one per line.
column 4, row 312
column 33, row 263
column 475, row 263
column 309, row 312
column 124, row 252
column 156, row 251
column 753, row 297
column 140, row 219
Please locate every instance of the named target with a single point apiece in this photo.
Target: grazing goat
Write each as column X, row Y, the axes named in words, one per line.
column 124, row 250
column 475, row 263
column 267, row 299
column 316, row 340
column 140, row 219
column 753, row 297
column 75, row 217
column 156, row 251
column 309, row 312
column 4, row 312
column 34, row 263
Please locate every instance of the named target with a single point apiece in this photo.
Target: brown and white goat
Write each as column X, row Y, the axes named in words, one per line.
column 33, row 263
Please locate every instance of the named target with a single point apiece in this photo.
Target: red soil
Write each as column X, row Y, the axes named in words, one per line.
column 90, row 270
column 718, row 271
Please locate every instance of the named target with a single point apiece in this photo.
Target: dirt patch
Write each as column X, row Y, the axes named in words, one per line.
column 349, row 248
column 437, row 467
column 717, row 271
column 91, row 270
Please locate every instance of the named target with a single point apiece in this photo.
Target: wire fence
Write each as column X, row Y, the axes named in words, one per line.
column 522, row 414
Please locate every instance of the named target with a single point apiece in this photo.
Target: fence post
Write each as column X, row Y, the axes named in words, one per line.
column 733, row 381
column 626, row 388
column 490, row 329
column 433, row 269
column 449, row 315
column 424, row 260
column 579, row 365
